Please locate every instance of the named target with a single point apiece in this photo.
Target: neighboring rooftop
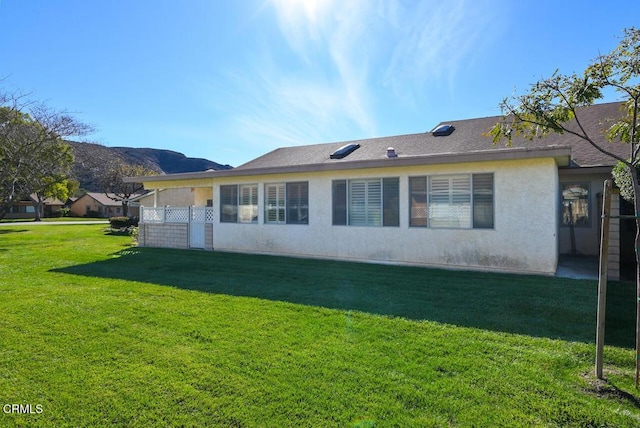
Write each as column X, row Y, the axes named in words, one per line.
column 104, row 199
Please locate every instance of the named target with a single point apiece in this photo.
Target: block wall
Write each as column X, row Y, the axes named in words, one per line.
column 164, row 235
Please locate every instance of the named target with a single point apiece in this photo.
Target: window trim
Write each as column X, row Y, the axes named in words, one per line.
column 236, row 216
column 287, row 202
column 341, row 202
column 473, row 193
column 279, row 197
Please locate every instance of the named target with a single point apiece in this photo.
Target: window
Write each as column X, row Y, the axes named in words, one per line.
column 391, row 201
column 339, row 202
column 418, row 201
column 248, row 206
column 575, row 204
column 366, row 202
column 450, row 201
column 239, row 203
column 298, row 203
column 22, row 209
column 483, row 201
column 453, row 201
column 275, row 203
column 287, row 203
column 229, row 204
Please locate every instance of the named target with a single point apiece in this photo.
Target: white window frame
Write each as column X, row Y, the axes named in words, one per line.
column 451, row 202
column 248, row 203
column 275, row 203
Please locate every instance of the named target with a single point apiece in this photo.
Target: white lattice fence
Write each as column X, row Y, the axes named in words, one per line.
column 152, row 215
column 176, row 215
column 208, row 215
column 198, row 215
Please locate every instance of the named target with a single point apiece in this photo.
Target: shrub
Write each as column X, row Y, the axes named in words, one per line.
column 119, row 222
column 133, row 232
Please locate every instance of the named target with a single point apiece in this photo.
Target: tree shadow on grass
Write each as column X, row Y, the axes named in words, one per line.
column 557, row 308
column 6, row 231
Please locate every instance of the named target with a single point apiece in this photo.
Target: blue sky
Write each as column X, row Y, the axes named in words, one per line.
column 232, row 80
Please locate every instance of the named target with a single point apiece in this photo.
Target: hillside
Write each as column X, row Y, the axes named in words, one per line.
column 161, row 161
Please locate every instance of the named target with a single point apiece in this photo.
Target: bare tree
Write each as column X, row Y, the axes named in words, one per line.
column 113, row 185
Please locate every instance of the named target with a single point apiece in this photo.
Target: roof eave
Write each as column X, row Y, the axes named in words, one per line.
column 561, row 154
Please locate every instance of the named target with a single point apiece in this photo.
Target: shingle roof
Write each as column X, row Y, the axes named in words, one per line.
column 467, row 138
column 466, row 143
column 104, row 199
column 47, row 201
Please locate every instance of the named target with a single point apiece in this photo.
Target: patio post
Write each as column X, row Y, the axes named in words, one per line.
column 602, row 280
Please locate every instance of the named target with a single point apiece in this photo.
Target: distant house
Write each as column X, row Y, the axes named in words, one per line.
column 444, row 198
column 96, row 204
column 26, row 208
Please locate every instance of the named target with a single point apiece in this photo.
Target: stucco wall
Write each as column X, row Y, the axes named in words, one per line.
column 524, row 238
column 171, row 197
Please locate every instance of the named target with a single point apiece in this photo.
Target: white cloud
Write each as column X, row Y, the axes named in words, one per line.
column 343, row 62
column 433, row 42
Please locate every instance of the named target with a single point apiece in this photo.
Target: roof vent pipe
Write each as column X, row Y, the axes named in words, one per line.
column 391, row 153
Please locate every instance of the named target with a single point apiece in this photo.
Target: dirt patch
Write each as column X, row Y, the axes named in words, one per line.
column 601, row 388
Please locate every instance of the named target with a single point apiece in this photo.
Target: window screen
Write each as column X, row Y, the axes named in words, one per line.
column 483, row 201
column 297, row 203
column 229, row 204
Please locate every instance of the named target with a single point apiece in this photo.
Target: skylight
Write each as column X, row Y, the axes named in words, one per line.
column 443, row 130
column 344, row 151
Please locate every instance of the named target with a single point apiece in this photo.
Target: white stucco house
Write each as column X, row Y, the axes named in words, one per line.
column 443, row 198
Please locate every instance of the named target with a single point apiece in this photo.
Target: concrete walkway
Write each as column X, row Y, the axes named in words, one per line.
column 578, row 267
column 51, row 223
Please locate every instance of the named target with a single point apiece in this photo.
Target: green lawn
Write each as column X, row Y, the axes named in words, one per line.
column 54, row 219
column 99, row 333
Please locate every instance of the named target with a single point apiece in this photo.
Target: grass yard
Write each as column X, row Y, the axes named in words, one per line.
column 94, row 332
column 54, row 220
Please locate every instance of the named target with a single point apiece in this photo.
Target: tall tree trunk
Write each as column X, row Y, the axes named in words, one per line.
column 636, row 204
column 37, row 206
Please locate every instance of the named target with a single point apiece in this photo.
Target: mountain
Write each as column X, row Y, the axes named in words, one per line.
column 161, row 161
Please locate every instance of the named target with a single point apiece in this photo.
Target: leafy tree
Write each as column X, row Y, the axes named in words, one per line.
column 32, row 149
column 551, row 104
column 50, row 180
column 55, row 189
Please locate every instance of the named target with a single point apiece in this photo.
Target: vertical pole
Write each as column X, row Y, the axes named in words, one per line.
column 602, row 280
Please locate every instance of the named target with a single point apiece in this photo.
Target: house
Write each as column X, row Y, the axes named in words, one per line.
column 26, row 208
column 447, row 198
column 96, row 204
